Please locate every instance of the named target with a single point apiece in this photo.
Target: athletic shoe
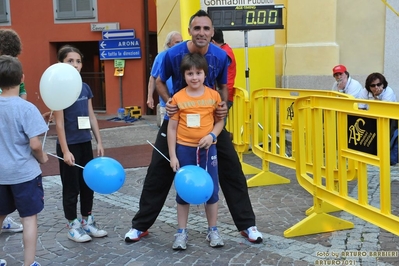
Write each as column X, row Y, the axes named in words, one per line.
column 3, row 262
column 253, row 235
column 76, row 232
column 215, row 240
column 180, row 240
column 11, row 226
column 35, row 263
column 91, row 228
column 134, row 235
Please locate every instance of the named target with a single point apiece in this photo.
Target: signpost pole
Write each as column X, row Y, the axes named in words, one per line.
column 246, row 60
column 120, row 92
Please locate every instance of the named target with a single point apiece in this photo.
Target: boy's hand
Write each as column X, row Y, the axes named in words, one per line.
column 206, row 142
column 174, row 163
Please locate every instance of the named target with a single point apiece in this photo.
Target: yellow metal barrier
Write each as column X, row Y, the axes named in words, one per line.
column 341, row 132
column 272, row 128
column 238, row 123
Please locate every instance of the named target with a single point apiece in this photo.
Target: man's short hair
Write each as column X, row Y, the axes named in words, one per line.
column 199, row 13
column 10, row 72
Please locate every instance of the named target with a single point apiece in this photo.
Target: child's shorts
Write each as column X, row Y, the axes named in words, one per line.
column 27, row 198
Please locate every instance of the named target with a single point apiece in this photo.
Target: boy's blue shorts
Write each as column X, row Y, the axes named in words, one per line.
column 27, row 198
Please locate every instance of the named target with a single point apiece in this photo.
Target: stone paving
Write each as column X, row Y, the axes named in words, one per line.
column 277, row 208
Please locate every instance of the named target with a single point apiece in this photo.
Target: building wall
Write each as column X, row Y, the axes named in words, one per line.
column 40, row 36
column 321, row 34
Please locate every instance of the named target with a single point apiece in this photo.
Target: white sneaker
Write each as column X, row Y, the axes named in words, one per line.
column 215, row 240
column 76, row 232
column 253, row 235
column 91, row 228
column 3, row 262
column 134, row 235
column 11, row 226
column 180, row 242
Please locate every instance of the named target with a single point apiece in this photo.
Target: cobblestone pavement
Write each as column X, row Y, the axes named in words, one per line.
column 277, row 208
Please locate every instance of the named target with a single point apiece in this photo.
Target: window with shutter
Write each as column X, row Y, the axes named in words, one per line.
column 74, row 9
column 3, row 11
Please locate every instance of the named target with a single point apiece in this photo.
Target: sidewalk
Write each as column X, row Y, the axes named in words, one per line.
column 277, row 208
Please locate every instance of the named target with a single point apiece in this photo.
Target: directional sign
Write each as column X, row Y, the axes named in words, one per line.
column 118, row 44
column 118, row 34
column 131, row 53
column 119, row 49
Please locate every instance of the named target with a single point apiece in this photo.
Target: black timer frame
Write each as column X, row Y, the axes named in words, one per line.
column 245, row 18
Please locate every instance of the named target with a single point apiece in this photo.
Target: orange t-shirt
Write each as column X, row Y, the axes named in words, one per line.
column 192, row 109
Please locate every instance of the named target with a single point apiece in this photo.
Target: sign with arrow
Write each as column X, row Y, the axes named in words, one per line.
column 119, row 44
column 118, row 34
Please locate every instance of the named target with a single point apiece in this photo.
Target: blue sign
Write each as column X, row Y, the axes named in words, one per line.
column 118, row 44
column 118, row 34
column 119, row 49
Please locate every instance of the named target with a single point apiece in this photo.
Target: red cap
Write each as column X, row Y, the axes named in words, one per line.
column 339, row 69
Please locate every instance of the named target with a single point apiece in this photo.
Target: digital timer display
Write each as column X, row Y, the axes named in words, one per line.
column 246, row 17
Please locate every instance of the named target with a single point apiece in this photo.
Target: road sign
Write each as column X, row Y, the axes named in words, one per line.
column 118, row 34
column 120, row 49
column 131, row 53
column 118, row 44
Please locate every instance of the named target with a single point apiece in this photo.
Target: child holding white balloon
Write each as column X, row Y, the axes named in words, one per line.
column 191, row 135
column 21, row 151
column 73, row 126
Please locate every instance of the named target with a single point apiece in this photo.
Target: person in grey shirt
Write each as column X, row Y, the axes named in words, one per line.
column 344, row 83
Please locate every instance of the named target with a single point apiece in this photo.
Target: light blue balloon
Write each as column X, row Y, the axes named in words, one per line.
column 193, row 184
column 104, row 175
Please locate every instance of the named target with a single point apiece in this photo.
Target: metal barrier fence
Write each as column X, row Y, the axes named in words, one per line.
column 340, row 132
column 272, row 120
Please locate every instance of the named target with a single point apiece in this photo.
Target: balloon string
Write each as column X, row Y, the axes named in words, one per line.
column 63, row 160
column 158, row 151
column 45, row 134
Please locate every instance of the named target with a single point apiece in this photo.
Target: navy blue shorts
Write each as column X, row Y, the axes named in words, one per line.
column 188, row 156
column 27, row 198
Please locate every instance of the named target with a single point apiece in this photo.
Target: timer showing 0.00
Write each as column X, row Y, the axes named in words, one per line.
column 246, row 17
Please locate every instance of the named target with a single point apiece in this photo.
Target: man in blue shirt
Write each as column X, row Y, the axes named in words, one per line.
column 160, row 175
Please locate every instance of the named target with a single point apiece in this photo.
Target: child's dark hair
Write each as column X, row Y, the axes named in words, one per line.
column 194, row 60
column 10, row 43
column 10, row 72
column 65, row 50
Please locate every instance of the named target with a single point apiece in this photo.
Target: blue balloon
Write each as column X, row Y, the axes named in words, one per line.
column 104, row 175
column 193, row 184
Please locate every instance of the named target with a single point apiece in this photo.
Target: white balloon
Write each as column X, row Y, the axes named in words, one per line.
column 60, row 86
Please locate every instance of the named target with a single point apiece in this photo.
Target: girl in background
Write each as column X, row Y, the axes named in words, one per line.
column 73, row 126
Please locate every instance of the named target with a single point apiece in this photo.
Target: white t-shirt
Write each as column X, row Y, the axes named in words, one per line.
column 388, row 95
column 353, row 87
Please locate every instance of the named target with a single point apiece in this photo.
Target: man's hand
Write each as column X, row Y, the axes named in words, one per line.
column 221, row 110
column 170, row 108
column 150, row 102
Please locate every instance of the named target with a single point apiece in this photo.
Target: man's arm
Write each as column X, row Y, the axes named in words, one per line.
column 151, row 89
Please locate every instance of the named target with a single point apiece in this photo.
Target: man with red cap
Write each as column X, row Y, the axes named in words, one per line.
column 344, row 83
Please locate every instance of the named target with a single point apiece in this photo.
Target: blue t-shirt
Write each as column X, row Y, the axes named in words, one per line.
column 156, row 67
column 217, row 66
column 73, row 134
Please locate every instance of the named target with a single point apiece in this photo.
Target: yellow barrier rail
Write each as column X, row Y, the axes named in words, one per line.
column 272, row 130
column 238, row 123
column 362, row 136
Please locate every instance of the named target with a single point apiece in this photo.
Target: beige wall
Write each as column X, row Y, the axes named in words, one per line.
column 168, row 19
column 321, row 34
